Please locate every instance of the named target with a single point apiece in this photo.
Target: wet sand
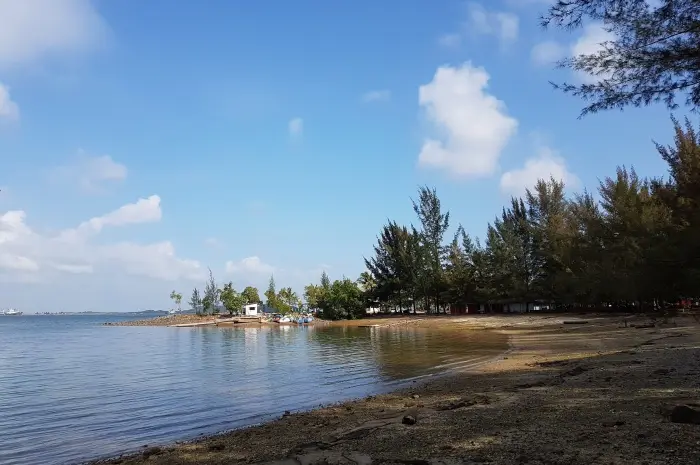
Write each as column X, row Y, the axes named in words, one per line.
column 599, row 392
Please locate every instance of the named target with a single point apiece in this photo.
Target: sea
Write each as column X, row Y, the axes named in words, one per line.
column 73, row 389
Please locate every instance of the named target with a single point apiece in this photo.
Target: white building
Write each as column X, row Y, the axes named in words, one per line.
column 250, row 310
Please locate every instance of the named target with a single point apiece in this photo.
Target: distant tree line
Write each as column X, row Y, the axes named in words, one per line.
column 636, row 246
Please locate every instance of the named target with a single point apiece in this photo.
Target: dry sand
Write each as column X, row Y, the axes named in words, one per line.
column 596, row 393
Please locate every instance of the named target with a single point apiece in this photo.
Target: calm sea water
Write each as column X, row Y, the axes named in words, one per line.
column 72, row 389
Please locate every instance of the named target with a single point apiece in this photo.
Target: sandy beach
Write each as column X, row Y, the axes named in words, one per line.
column 615, row 390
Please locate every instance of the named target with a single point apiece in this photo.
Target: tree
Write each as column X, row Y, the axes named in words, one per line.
column 651, row 56
column 271, row 294
column 211, row 295
column 313, row 296
column 345, row 300
column 288, row 300
column 177, row 298
column 232, row 300
column 460, row 272
column 251, row 296
column 391, row 265
column 434, row 224
column 196, row 301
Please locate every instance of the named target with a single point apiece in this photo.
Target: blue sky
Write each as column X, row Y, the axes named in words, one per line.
column 142, row 142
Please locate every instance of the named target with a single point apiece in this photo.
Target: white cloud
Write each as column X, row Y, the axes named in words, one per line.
column 376, row 96
column 500, row 24
column 143, row 211
column 590, row 42
column 72, row 251
column 8, row 108
column 31, row 30
column 546, row 164
column 547, row 53
column 251, row 265
column 474, row 124
column 91, row 173
column 296, row 127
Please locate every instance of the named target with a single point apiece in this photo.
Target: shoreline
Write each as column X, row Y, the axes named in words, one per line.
column 579, row 393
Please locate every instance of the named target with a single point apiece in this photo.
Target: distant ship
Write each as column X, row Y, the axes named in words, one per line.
column 10, row 312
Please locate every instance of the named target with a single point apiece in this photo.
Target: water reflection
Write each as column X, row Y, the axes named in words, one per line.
column 69, row 389
column 402, row 352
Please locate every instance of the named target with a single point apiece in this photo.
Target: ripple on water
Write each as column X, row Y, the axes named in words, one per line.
column 71, row 390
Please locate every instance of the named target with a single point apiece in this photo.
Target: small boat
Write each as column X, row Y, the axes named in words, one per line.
column 11, row 312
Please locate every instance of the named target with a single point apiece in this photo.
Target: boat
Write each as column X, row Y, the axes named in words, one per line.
column 11, row 312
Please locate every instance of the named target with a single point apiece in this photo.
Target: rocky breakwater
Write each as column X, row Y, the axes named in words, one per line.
column 168, row 320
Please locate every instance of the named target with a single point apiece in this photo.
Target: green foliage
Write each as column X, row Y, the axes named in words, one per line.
column 196, row 301
column 288, row 300
column 211, row 295
column 637, row 247
column 177, row 298
column 271, row 294
column 232, row 300
column 652, row 54
column 341, row 299
column 251, row 296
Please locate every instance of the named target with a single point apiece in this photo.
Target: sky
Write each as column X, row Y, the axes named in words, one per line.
column 145, row 142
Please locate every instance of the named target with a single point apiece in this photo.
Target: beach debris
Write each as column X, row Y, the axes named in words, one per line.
column 575, row 322
column 688, row 414
column 286, row 413
column 408, row 420
column 415, row 396
column 217, row 446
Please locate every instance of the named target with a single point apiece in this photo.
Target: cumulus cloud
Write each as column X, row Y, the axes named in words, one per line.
column 8, row 108
column 545, row 165
column 91, row 173
column 142, row 211
column 591, row 41
column 252, row 265
column 474, row 125
column 73, row 251
column 376, row 96
column 296, row 127
column 31, row 30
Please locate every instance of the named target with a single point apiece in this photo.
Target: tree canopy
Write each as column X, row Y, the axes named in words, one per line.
column 638, row 246
column 652, row 55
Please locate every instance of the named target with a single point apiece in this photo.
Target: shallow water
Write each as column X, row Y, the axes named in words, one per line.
column 71, row 389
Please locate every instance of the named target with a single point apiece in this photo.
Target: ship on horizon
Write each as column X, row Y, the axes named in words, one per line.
column 10, row 312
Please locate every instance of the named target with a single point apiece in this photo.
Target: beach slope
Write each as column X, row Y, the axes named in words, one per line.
column 599, row 392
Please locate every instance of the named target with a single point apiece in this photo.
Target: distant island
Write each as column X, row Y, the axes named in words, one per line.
column 140, row 313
